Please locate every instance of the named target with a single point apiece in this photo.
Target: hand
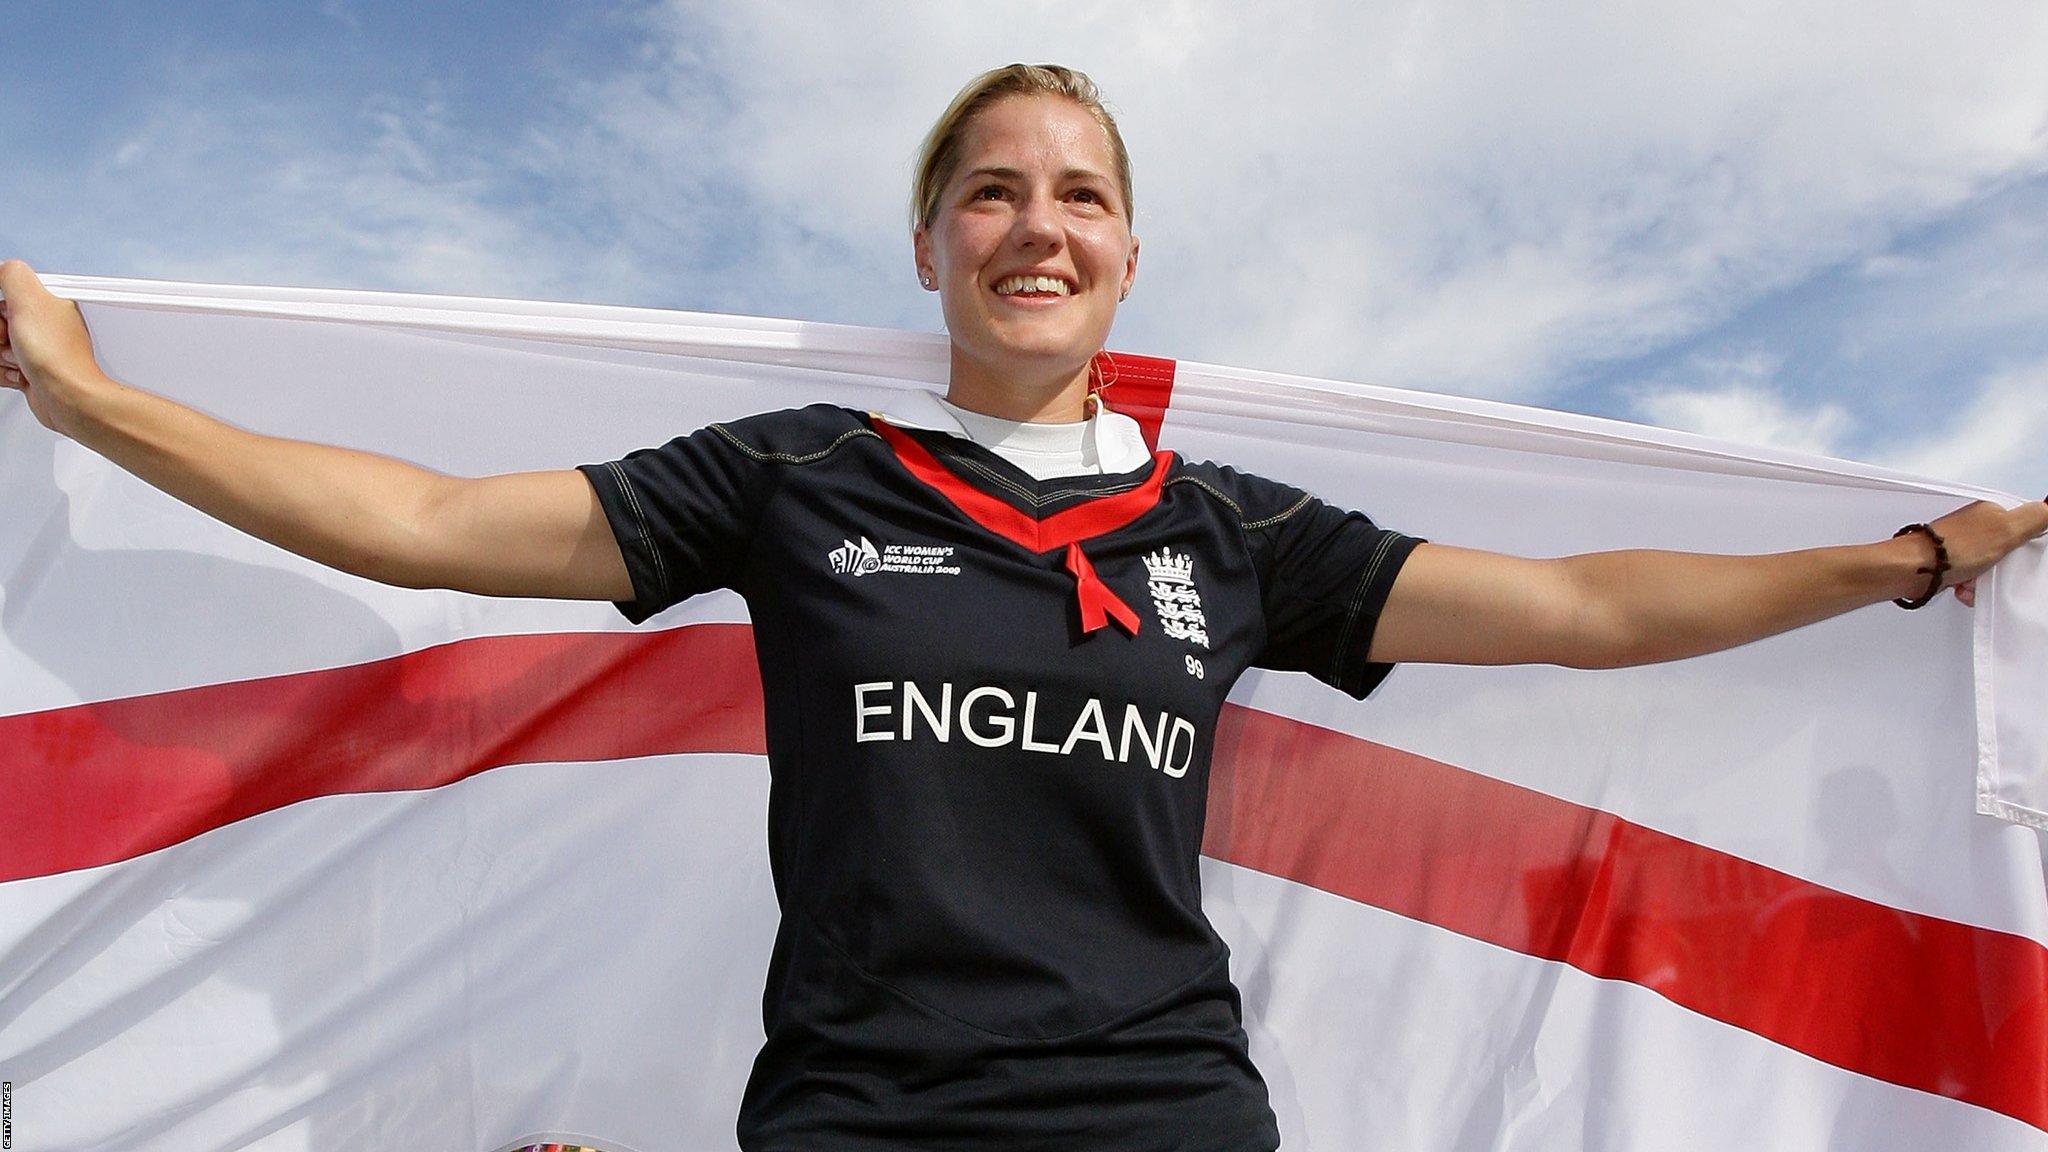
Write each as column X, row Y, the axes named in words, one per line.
column 45, row 351
column 1979, row 535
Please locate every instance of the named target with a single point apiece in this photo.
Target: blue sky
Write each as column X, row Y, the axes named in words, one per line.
column 1816, row 225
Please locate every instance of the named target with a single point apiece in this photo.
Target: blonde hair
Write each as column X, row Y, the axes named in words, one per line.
column 939, row 156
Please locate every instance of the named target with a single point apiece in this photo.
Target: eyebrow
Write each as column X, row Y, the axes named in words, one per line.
column 1017, row 174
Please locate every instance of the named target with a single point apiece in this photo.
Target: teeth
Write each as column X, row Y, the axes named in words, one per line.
column 1011, row 285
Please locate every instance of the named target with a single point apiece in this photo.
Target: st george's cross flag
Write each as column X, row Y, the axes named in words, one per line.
column 293, row 860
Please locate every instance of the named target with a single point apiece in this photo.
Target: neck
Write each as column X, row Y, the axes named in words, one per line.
column 1059, row 397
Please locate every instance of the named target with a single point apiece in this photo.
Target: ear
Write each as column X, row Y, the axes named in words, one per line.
column 1130, row 268
column 921, row 253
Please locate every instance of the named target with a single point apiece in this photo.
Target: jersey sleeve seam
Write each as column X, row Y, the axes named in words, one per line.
column 1244, row 536
column 1303, row 501
column 1212, row 490
column 640, row 520
column 1277, row 517
column 789, row 457
column 751, row 565
column 1372, row 568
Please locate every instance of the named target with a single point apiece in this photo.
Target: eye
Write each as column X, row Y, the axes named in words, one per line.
column 990, row 191
column 1089, row 194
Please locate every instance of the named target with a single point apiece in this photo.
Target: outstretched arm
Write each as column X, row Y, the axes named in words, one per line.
column 523, row 534
column 1613, row 609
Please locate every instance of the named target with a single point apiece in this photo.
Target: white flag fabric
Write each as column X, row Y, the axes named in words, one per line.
column 294, row 860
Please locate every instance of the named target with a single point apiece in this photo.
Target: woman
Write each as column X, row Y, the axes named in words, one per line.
column 995, row 634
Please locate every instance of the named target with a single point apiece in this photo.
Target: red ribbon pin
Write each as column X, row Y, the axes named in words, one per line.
column 1098, row 603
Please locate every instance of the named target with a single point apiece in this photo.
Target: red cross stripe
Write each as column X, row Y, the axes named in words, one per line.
column 1914, row 1000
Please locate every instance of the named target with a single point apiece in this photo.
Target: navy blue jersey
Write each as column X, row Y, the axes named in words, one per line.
column 990, row 705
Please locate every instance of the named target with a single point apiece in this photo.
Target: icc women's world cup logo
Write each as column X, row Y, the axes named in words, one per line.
column 850, row 559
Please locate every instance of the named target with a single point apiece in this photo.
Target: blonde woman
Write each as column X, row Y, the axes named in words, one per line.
column 990, row 734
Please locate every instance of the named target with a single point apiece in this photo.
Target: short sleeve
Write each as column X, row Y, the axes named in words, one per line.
column 1324, row 574
column 683, row 514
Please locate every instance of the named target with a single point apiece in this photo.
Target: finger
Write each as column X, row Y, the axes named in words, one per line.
column 11, row 273
column 15, row 273
column 2033, row 518
column 20, row 285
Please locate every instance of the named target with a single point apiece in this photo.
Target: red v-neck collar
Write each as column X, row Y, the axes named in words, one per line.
column 1100, row 515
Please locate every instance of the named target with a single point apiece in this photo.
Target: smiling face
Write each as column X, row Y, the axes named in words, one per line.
column 1030, row 249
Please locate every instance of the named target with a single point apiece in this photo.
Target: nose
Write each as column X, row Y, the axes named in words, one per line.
column 1037, row 224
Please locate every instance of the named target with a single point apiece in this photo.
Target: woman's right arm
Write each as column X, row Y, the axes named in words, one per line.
column 521, row 534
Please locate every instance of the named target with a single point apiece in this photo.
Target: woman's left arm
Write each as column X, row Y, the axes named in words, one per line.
column 1613, row 609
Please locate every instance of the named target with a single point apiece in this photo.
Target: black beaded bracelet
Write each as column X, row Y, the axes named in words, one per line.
column 1935, row 573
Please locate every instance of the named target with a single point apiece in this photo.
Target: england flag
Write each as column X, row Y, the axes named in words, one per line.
column 294, row 860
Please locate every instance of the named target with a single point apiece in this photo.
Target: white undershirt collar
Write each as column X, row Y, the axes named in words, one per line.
column 1107, row 442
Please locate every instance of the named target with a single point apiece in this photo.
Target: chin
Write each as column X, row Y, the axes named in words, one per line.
column 1039, row 357
column 1043, row 347
column 1025, row 362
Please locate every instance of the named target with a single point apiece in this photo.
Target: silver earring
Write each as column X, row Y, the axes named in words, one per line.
column 1125, row 296
column 925, row 280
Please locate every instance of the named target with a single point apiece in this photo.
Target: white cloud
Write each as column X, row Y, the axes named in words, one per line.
column 1749, row 412
column 216, row 178
column 342, row 14
column 1988, row 432
column 1457, row 196
column 1998, row 439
